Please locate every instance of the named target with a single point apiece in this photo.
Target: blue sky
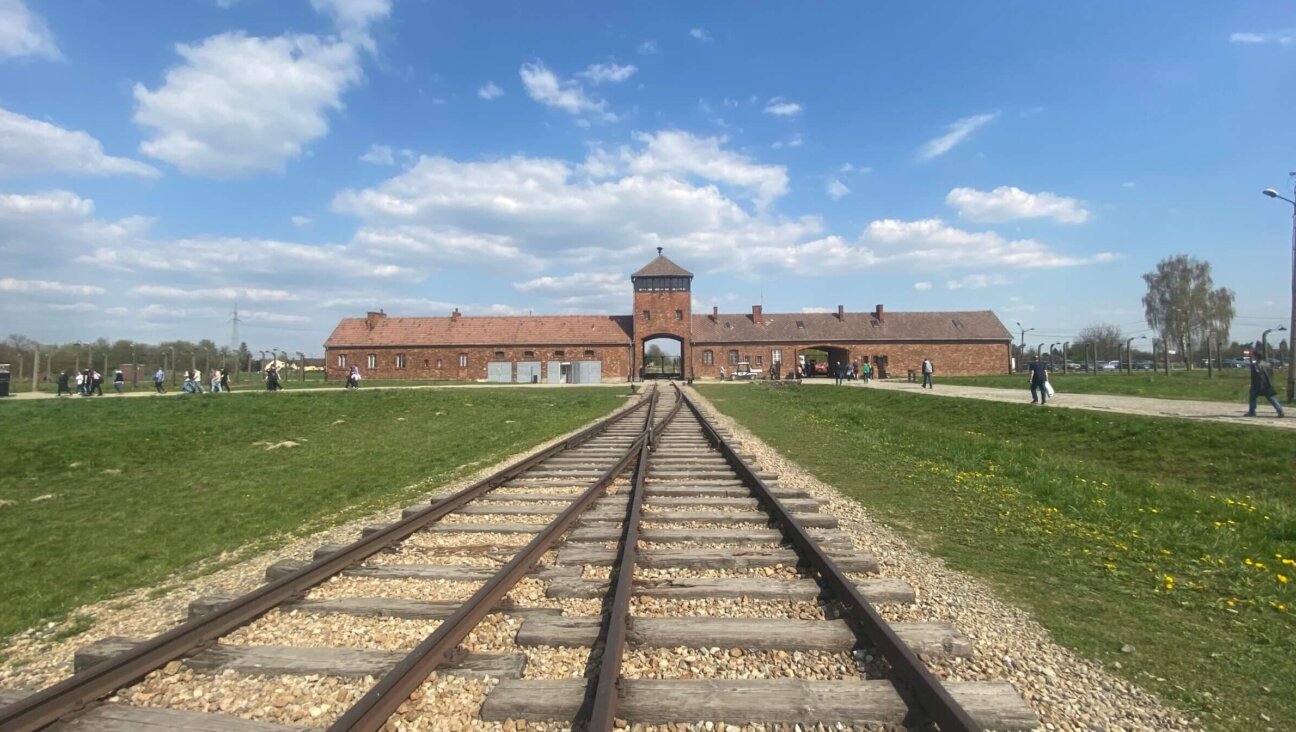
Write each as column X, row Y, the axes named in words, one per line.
column 161, row 160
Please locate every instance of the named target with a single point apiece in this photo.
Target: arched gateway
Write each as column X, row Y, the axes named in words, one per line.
column 577, row 349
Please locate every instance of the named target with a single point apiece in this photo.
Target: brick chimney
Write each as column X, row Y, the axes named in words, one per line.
column 878, row 314
column 454, row 316
column 372, row 318
column 841, row 313
column 715, row 313
column 757, row 318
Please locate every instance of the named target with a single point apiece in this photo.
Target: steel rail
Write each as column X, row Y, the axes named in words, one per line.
column 926, row 691
column 607, row 686
column 376, row 707
column 73, row 693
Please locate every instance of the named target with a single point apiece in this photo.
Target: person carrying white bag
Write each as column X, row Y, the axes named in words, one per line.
column 1040, row 387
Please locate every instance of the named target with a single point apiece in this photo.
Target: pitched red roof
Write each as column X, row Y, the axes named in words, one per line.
column 661, row 267
column 809, row 328
column 517, row 330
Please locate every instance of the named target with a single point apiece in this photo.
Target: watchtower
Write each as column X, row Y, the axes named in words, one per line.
column 663, row 308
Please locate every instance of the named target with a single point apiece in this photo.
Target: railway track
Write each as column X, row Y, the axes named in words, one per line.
column 641, row 572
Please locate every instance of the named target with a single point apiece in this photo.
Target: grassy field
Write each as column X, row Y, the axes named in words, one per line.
column 1227, row 385
column 98, row 496
column 1174, row 537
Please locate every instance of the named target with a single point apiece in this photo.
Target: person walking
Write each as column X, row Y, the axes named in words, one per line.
column 159, row 381
column 272, row 379
column 215, row 381
column 80, row 383
column 1262, row 383
column 119, row 380
column 63, row 384
column 855, row 370
column 927, row 371
column 224, row 379
column 1038, row 381
column 96, row 383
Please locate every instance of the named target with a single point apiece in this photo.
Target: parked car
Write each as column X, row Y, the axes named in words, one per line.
column 1110, row 366
column 1235, row 363
column 1144, row 366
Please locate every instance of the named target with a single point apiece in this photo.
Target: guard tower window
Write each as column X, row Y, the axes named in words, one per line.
column 661, row 284
column 647, row 315
column 679, row 314
column 708, row 358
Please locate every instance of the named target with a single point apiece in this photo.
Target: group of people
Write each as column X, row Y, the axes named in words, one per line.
column 855, row 371
column 353, row 377
column 88, row 382
column 217, row 382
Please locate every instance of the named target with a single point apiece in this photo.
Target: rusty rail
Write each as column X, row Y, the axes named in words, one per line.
column 607, row 687
column 376, row 707
column 70, row 695
column 916, row 684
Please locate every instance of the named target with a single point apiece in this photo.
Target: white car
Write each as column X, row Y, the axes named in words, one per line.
column 1111, row 365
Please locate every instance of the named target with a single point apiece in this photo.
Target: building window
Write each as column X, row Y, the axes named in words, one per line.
column 589, row 353
column 499, row 354
column 440, row 363
column 647, row 315
column 679, row 314
column 463, row 360
column 733, row 357
column 777, row 357
column 800, row 324
column 560, row 354
column 400, row 360
column 528, row 354
column 759, row 360
column 425, row 363
column 341, row 360
column 372, row 361
column 708, row 358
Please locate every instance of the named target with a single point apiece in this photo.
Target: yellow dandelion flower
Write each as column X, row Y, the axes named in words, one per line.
column 1282, row 578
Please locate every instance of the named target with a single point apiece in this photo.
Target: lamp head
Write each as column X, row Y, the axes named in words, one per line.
column 1270, row 193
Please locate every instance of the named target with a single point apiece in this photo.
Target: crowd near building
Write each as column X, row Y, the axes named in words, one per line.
column 594, row 348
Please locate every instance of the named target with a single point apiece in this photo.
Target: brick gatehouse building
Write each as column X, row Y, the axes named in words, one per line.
column 592, row 348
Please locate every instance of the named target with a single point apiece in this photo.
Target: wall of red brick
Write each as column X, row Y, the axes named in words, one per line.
column 661, row 307
column 443, row 362
column 962, row 359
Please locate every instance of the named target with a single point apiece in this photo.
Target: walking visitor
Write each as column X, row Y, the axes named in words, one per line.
column 927, row 371
column 1038, row 381
column 1262, row 383
column 119, row 380
column 224, row 379
column 159, row 381
column 63, row 384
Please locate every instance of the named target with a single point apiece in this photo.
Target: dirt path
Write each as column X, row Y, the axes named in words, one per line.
column 1146, row 406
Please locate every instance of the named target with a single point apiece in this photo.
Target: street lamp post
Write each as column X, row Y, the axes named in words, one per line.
column 1129, row 358
column 1264, row 341
column 1021, row 351
column 1065, row 346
column 1291, row 369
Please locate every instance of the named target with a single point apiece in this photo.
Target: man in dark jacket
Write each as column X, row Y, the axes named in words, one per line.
column 1262, row 383
column 1038, row 380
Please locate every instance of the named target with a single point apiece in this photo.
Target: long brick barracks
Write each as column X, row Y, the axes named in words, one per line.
column 593, row 348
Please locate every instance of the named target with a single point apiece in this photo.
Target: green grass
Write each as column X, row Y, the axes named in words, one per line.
column 1227, row 385
column 100, row 496
column 1166, row 535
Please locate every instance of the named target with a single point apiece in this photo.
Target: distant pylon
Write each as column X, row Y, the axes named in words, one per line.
column 234, row 321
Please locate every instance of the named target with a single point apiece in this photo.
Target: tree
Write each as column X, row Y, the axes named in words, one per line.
column 654, row 351
column 1184, row 307
column 1106, row 339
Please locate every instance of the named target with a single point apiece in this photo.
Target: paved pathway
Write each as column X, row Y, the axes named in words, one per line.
column 1147, row 406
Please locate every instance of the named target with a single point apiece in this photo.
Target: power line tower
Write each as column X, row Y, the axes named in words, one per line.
column 234, row 334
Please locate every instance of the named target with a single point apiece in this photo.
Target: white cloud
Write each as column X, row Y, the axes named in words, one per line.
column 850, row 168
column 75, row 307
column 353, row 17
column 1282, row 38
column 24, row 33
column 922, row 286
column 674, row 151
column 795, row 141
column 977, row 282
column 32, row 147
column 445, row 246
column 836, row 189
column 490, row 91
column 48, row 288
column 218, row 293
column 609, row 73
column 379, row 155
column 700, row 34
column 239, row 105
column 545, row 87
column 815, row 309
column 648, row 47
column 302, row 221
column 780, row 107
column 261, row 316
column 1009, row 203
column 1128, row 184
column 957, row 133
column 581, row 291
